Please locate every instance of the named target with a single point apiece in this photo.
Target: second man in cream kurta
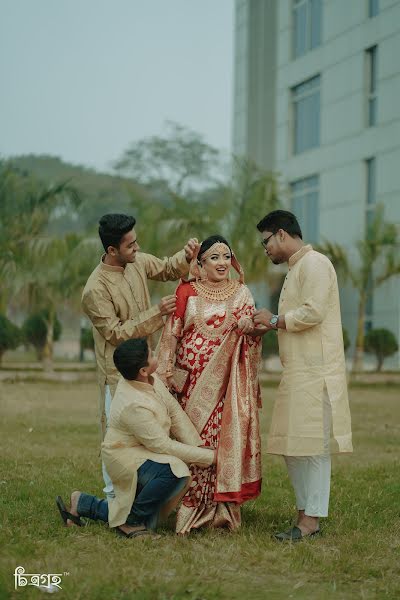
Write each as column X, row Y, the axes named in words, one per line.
column 311, row 416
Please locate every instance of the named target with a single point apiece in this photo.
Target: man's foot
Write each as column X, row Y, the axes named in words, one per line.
column 131, row 528
column 74, row 507
column 308, row 525
column 130, row 531
column 294, row 535
column 300, row 516
column 67, row 517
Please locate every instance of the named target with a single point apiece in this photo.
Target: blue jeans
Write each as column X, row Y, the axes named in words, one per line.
column 155, row 487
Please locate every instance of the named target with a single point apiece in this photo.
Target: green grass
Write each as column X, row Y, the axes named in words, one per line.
column 49, row 446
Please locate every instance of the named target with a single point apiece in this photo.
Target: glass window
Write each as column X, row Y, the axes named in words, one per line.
column 305, row 205
column 370, row 215
column 373, row 8
column 306, row 115
column 372, row 67
column 370, row 191
column 307, row 16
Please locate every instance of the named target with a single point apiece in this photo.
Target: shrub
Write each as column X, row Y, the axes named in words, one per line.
column 270, row 344
column 35, row 331
column 10, row 335
column 346, row 339
column 382, row 343
column 87, row 341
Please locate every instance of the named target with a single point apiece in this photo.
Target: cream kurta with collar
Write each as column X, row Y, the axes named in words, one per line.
column 312, row 356
column 117, row 301
column 142, row 419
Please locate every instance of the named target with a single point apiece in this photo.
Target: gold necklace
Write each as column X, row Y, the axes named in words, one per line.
column 214, row 293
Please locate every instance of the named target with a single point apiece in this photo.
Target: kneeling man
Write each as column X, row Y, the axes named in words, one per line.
column 147, row 449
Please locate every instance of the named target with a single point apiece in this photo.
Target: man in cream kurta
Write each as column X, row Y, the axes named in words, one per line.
column 147, row 449
column 143, row 418
column 311, row 416
column 117, row 301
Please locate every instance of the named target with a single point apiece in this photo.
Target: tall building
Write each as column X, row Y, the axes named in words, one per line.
column 317, row 99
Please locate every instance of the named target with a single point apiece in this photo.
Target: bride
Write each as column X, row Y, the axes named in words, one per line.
column 209, row 358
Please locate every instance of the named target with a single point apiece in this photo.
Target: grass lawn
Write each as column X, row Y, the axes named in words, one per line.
column 49, row 446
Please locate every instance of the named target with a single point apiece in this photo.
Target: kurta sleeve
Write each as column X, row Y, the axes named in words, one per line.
column 143, row 424
column 182, row 427
column 98, row 306
column 166, row 269
column 315, row 284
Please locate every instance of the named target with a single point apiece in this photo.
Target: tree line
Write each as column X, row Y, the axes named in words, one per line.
column 176, row 186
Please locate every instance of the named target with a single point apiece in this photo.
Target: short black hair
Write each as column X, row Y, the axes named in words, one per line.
column 280, row 219
column 131, row 356
column 210, row 241
column 113, row 227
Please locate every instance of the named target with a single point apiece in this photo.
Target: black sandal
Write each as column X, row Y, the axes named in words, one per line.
column 295, row 535
column 138, row 533
column 65, row 515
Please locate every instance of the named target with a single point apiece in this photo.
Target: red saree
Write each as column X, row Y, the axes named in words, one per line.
column 221, row 397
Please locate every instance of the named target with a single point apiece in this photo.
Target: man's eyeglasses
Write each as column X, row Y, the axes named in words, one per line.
column 265, row 241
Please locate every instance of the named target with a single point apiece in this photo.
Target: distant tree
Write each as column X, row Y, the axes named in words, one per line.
column 27, row 207
column 379, row 260
column 53, row 275
column 346, row 339
column 10, row 335
column 35, row 331
column 270, row 344
column 382, row 343
column 87, row 341
column 253, row 193
column 177, row 161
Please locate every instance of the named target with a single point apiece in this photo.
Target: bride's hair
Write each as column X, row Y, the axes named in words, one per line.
column 210, row 241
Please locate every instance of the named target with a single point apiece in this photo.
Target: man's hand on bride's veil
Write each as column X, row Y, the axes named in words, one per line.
column 189, row 248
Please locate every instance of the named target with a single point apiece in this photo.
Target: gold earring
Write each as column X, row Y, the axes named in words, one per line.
column 203, row 274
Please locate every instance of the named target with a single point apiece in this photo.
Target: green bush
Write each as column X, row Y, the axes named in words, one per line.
column 382, row 343
column 10, row 335
column 35, row 331
column 346, row 339
column 270, row 344
column 87, row 341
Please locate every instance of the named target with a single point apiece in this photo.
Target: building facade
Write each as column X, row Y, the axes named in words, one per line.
column 319, row 103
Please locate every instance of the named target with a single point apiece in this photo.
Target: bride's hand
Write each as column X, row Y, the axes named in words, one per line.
column 245, row 325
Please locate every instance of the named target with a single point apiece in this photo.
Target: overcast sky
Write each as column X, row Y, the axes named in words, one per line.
column 81, row 79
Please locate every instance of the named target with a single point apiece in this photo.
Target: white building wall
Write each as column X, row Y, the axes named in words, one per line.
column 345, row 140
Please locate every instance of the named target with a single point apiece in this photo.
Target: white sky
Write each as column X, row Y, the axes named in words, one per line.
column 81, row 79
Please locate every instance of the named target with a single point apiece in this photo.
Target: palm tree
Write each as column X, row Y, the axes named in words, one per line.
column 53, row 274
column 378, row 261
column 253, row 194
column 26, row 209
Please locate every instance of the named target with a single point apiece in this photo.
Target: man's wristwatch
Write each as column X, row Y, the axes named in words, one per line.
column 274, row 321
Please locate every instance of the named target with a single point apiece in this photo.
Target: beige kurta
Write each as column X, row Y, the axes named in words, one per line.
column 312, row 356
column 117, row 301
column 142, row 419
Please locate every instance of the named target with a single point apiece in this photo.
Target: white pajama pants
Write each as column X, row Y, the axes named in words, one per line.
column 108, row 489
column 310, row 476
